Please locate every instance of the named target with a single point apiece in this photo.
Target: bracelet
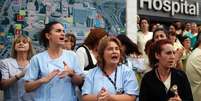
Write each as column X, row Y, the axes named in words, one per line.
column 17, row 78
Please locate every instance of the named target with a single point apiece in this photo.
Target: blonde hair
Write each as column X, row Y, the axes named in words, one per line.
column 30, row 51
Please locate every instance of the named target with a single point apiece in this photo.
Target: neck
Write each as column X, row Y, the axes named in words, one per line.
column 54, row 52
column 109, row 68
column 145, row 31
column 163, row 72
column 22, row 56
column 22, row 59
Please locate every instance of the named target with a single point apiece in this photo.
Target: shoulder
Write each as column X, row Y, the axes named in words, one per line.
column 80, row 49
column 69, row 52
column 8, row 60
column 93, row 71
column 149, row 75
column 42, row 56
column 178, row 73
column 125, row 70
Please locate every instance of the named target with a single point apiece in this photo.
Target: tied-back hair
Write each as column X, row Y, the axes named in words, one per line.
column 156, row 48
column 30, row 51
column 94, row 37
column 102, row 46
column 131, row 47
column 48, row 27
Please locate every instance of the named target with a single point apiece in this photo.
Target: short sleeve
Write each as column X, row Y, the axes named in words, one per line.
column 88, row 84
column 4, row 70
column 130, row 83
column 33, row 70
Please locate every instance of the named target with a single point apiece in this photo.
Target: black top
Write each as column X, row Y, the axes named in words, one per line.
column 152, row 89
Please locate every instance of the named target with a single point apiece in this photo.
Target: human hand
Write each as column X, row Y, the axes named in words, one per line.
column 103, row 95
column 175, row 98
column 20, row 74
column 67, row 71
column 179, row 54
column 49, row 76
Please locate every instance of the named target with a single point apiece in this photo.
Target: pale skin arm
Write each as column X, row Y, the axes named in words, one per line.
column 5, row 83
column 32, row 85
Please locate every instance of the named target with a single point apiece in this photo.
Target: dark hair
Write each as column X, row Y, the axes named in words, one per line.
column 102, row 46
column 156, row 48
column 183, row 38
column 147, row 46
column 48, row 27
column 172, row 33
column 143, row 18
column 94, row 37
column 158, row 29
column 131, row 47
column 72, row 38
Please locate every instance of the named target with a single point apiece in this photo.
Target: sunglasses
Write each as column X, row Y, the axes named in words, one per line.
column 21, row 40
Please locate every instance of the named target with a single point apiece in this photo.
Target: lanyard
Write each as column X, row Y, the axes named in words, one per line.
column 115, row 78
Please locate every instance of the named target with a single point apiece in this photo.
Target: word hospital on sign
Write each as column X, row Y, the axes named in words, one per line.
column 173, row 7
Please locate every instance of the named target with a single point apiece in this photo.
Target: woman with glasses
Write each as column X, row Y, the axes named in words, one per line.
column 110, row 80
column 13, row 70
column 53, row 73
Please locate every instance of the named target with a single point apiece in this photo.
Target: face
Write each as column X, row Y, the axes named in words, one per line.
column 187, row 43
column 194, row 27
column 68, row 43
column 188, row 26
column 154, row 27
column 172, row 29
column 22, row 45
column 159, row 35
column 172, row 38
column 178, row 24
column 56, row 35
column 167, row 56
column 144, row 25
column 112, row 53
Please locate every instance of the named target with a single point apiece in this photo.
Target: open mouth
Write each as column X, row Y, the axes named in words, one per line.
column 21, row 46
column 114, row 57
column 61, row 38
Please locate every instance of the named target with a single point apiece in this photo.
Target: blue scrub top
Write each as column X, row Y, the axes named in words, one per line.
column 56, row 89
column 125, row 81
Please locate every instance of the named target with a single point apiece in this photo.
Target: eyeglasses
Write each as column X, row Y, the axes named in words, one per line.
column 21, row 40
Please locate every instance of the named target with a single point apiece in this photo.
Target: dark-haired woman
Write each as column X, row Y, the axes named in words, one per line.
column 163, row 82
column 54, row 73
column 132, row 56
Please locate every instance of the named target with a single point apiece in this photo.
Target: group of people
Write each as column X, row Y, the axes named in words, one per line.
column 103, row 68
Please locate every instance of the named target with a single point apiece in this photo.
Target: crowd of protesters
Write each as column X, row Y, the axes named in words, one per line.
column 164, row 65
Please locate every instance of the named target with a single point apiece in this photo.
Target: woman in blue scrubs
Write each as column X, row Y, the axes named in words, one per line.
column 110, row 80
column 54, row 73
